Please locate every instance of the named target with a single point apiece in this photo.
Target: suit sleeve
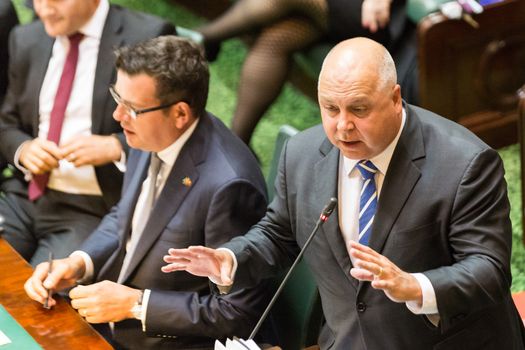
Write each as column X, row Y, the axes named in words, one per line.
column 480, row 242
column 233, row 209
column 270, row 246
column 104, row 241
column 12, row 130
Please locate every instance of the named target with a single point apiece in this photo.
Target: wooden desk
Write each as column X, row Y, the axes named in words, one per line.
column 58, row 328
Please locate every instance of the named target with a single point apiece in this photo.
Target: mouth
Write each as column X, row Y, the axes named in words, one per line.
column 127, row 131
column 349, row 143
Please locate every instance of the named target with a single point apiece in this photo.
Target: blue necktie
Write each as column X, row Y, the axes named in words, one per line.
column 368, row 200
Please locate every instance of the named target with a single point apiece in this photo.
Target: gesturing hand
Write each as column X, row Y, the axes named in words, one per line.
column 201, row 261
column 398, row 285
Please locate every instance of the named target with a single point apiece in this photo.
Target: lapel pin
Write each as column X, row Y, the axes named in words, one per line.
column 186, row 181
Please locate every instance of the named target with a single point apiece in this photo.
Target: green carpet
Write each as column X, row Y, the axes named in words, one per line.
column 295, row 109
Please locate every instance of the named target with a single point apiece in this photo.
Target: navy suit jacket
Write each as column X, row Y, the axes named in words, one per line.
column 30, row 50
column 226, row 196
column 443, row 211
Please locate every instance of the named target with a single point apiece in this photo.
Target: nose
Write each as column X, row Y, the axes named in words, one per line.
column 43, row 8
column 120, row 114
column 345, row 121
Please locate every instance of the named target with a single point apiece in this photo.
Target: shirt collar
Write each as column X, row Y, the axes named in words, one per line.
column 169, row 154
column 382, row 160
column 94, row 27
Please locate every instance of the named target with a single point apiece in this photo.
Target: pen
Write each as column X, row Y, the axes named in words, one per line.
column 50, row 269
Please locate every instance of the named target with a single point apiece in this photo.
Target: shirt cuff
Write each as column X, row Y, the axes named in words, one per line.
column 225, row 289
column 90, row 268
column 27, row 174
column 121, row 163
column 429, row 304
column 144, row 310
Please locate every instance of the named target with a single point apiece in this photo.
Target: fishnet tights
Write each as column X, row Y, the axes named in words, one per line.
column 286, row 26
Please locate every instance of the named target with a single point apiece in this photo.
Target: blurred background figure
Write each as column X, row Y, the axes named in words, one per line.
column 56, row 123
column 8, row 19
column 285, row 26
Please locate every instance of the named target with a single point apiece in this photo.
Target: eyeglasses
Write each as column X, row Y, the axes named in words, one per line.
column 132, row 112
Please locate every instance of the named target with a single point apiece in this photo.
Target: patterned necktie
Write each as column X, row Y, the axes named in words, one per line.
column 38, row 184
column 368, row 200
column 143, row 213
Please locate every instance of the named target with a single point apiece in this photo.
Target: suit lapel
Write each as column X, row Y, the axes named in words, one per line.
column 175, row 190
column 326, row 181
column 127, row 204
column 402, row 175
column 40, row 61
column 105, row 73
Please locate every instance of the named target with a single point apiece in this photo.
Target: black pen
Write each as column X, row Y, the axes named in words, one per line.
column 49, row 291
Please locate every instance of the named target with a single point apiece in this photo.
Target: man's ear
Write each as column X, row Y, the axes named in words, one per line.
column 182, row 115
column 396, row 98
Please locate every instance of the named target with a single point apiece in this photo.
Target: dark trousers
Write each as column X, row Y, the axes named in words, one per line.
column 58, row 222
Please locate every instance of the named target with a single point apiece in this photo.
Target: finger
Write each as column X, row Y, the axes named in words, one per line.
column 373, row 268
column 35, row 293
column 80, row 303
column 80, row 292
column 53, row 279
column 198, row 249
column 182, row 254
column 174, row 259
column 173, row 267
column 361, row 274
column 51, row 149
column 363, row 249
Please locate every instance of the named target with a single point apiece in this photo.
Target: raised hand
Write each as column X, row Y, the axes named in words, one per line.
column 398, row 285
column 201, row 261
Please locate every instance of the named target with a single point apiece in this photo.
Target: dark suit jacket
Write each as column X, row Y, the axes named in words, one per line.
column 8, row 19
column 227, row 195
column 443, row 211
column 30, row 51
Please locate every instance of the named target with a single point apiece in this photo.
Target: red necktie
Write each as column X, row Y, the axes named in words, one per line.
column 38, row 184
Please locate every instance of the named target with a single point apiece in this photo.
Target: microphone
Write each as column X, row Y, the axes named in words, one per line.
column 325, row 214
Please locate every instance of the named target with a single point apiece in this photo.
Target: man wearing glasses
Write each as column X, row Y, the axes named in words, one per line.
column 56, row 127
column 189, row 181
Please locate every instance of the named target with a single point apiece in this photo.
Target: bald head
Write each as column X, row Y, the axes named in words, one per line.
column 359, row 99
column 360, row 59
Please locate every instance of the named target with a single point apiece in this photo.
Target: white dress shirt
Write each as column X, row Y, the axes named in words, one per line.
column 78, row 116
column 168, row 156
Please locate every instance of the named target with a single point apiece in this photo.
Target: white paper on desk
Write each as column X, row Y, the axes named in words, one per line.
column 219, row 346
column 237, row 344
column 4, row 339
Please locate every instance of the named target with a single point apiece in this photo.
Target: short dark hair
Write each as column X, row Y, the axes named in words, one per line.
column 177, row 65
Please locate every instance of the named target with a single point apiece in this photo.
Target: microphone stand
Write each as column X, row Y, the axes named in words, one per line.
column 327, row 211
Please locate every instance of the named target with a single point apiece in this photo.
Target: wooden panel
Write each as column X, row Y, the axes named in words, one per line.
column 471, row 75
column 58, row 328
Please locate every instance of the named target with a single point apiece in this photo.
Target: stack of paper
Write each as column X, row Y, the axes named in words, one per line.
column 237, row 344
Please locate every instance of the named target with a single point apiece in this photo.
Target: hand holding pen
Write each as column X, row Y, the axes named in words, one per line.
column 49, row 291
